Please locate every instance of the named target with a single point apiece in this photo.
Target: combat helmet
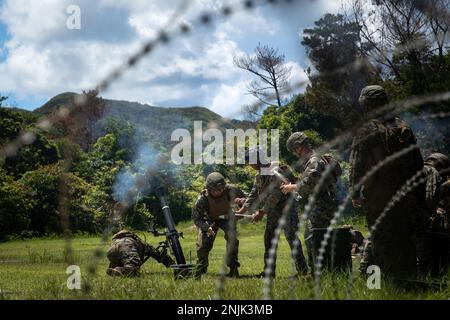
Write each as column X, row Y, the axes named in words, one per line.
column 438, row 160
column 372, row 97
column 296, row 140
column 215, row 181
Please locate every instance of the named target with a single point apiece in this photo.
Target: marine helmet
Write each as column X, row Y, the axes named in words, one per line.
column 296, row 140
column 215, row 181
column 438, row 160
column 372, row 97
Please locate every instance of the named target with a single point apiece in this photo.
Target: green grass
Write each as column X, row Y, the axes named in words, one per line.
column 35, row 269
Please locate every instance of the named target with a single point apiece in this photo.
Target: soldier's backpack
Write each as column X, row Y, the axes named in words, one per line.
column 398, row 136
column 128, row 234
column 393, row 136
column 388, row 139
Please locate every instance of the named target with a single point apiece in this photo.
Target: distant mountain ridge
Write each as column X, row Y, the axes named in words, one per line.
column 155, row 123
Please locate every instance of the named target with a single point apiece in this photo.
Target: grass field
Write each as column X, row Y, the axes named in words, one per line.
column 36, row 269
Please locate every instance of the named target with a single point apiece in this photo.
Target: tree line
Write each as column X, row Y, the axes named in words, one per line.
column 401, row 45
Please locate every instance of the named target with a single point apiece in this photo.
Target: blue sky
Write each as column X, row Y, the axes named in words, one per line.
column 3, row 37
column 40, row 57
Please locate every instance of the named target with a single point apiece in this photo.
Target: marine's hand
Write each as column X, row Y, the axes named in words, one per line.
column 257, row 216
column 357, row 203
column 211, row 232
column 288, row 188
column 241, row 211
column 239, row 201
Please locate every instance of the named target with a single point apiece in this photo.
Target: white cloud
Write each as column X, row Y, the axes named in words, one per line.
column 34, row 21
column 230, row 99
column 298, row 75
column 44, row 58
column 244, row 23
column 157, row 94
column 332, row 6
column 59, row 67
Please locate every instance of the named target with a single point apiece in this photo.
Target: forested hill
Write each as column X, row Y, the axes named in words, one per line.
column 154, row 123
column 108, row 144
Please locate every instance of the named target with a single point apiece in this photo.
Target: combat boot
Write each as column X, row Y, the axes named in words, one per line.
column 198, row 271
column 234, row 272
column 262, row 275
column 302, row 268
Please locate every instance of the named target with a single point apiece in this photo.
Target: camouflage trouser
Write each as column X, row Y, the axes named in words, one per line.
column 205, row 244
column 367, row 258
column 124, row 257
column 314, row 222
column 290, row 232
column 422, row 243
column 393, row 246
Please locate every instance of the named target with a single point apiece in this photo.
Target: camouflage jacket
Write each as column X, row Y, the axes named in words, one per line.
column 433, row 182
column 266, row 194
column 439, row 220
column 128, row 236
column 443, row 195
column 201, row 215
column 373, row 143
column 312, row 171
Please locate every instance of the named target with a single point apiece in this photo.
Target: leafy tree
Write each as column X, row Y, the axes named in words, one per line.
column 11, row 123
column 82, row 123
column 334, row 47
column 409, row 41
column 103, row 163
column 297, row 116
column 30, row 157
column 82, row 215
column 2, row 99
column 43, row 186
column 332, row 44
column 57, row 197
column 405, row 33
column 70, row 151
column 125, row 131
column 39, row 152
column 15, row 206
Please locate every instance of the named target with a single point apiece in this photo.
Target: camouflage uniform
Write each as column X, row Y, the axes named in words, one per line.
column 433, row 165
column 267, row 196
column 436, row 167
column 393, row 244
column 325, row 205
column 443, row 207
column 206, row 213
column 438, row 204
column 128, row 252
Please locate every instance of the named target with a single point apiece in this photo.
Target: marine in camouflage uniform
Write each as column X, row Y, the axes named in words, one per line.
column 266, row 198
column 393, row 243
column 436, row 167
column 437, row 223
column 313, row 166
column 212, row 212
column 443, row 208
column 433, row 220
column 128, row 252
